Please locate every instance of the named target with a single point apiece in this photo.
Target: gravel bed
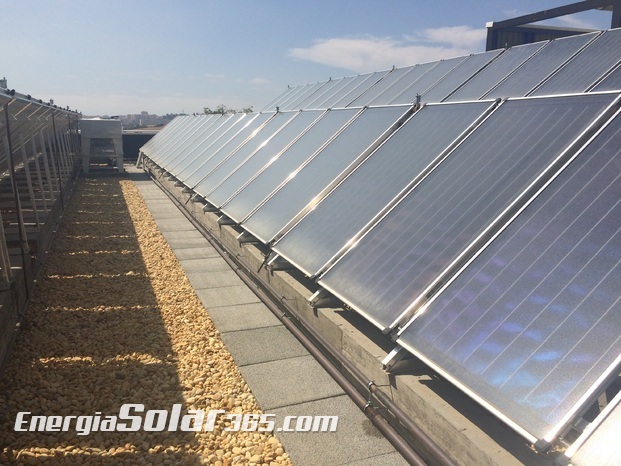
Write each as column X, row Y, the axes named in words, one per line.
column 114, row 320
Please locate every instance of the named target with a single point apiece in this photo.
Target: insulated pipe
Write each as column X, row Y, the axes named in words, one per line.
column 374, row 415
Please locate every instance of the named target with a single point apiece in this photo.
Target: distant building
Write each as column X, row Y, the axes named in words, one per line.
column 143, row 120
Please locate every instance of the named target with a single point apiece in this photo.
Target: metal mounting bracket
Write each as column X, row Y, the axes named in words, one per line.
column 323, row 298
column 246, row 238
column 278, row 263
column 392, row 358
column 224, row 220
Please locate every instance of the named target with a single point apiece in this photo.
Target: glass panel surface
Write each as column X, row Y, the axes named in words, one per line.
column 347, row 86
column 286, row 95
column 540, row 66
column 186, row 141
column 418, row 72
column 424, row 82
column 206, row 132
column 587, row 67
column 248, row 161
column 495, row 72
column 312, row 89
column 222, row 130
column 394, row 78
column 458, row 76
column 276, row 171
column 362, row 195
column 359, row 90
column 313, row 178
column 533, row 322
column 150, row 149
column 319, row 95
column 412, row 246
column 228, row 142
column 612, row 82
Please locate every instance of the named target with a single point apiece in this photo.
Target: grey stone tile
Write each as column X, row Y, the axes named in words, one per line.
column 289, row 382
column 226, row 296
column 209, row 264
column 262, row 345
column 203, row 252
column 242, row 317
column 204, row 280
column 355, row 439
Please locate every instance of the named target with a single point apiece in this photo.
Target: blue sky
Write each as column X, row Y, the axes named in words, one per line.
column 166, row 56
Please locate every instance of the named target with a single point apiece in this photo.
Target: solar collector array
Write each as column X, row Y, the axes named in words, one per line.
column 383, row 207
column 253, row 155
column 314, row 178
column 397, row 261
column 224, row 131
column 540, row 66
column 531, row 327
column 328, row 228
column 494, row 72
column 234, row 140
column 265, row 180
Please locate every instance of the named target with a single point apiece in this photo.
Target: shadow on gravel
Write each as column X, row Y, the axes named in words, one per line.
column 94, row 340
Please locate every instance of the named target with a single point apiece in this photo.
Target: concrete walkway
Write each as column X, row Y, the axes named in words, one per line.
column 284, row 377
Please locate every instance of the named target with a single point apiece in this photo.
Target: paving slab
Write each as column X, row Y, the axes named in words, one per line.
column 262, row 345
column 226, row 296
column 203, row 252
column 355, row 438
column 288, row 382
column 242, row 317
column 185, row 243
column 174, row 224
column 208, row 264
column 204, row 280
column 389, row 459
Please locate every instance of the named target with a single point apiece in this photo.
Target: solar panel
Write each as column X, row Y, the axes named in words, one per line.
column 279, row 167
column 418, row 72
column 154, row 148
column 427, row 80
column 400, row 260
column 347, row 87
column 318, row 95
column 238, row 145
column 251, row 157
column 495, row 72
column 586, row 68
column 398, row 77
column 286, row 95
column 532, row 327
column 311, row 89
column 185, row 140
column 356, row 92
column 228, row 142
column 540, row 66
column 456, row 77
column 150, row 149
column 222, row 130
column 315, row 178
column 340, row 85
column 366, row 191
column 612, row 82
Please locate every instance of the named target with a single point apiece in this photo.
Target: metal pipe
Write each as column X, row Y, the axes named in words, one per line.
column 439, row 456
